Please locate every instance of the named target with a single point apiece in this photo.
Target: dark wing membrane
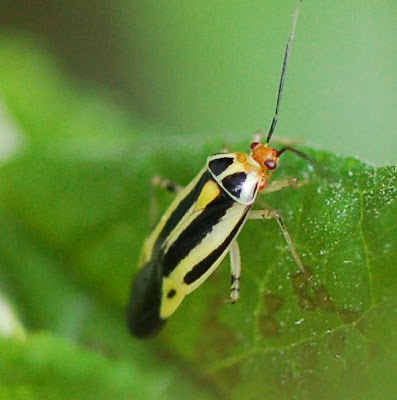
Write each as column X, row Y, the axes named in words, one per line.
column 143, row 312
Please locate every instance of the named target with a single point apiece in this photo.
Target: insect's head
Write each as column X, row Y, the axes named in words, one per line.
column 265, row 156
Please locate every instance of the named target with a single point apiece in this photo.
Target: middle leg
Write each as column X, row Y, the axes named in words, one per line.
column 235, row 271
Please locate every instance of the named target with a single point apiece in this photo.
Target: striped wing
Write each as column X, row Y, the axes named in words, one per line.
column 186, row 246
column 193, row 237
column 200, row 241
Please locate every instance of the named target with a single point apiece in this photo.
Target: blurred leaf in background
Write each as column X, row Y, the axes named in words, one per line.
column 213, row 67
column 76, row 163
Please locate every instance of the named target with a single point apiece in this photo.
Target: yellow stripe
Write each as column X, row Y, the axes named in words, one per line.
column 209, row 192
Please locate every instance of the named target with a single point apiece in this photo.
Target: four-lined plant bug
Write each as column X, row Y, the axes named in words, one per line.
column 202, row 224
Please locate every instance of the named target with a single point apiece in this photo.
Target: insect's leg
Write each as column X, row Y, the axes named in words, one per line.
column 235, row 271
column 289, row 182
column 270, row 214
column 165, row 184
column 224, row 148
column 287, row 141
column 258, row 136
column 278, row 185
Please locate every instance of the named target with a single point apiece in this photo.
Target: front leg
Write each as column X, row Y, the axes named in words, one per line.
column 166, row 184
column 258, row 136
column 288, row 182
column 270, row 214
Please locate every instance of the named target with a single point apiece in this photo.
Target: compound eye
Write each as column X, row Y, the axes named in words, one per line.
column 270, row 165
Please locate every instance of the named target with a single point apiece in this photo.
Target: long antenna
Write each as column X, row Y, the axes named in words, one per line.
column 283, row 73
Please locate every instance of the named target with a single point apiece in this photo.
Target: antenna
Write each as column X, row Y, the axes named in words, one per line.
column 283, row 73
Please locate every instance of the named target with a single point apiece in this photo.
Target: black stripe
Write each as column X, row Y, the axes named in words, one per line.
column 197, row 230
column 180, row 211
column 234, row 183
column 205, row 264
column 219, row 165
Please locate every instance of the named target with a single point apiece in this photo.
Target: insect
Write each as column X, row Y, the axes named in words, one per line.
column 202, row 224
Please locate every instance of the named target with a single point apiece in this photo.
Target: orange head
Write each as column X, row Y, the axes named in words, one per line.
column 267, row 158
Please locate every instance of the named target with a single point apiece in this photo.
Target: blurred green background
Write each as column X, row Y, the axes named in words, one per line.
column 212, row 68
column 96, row 97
